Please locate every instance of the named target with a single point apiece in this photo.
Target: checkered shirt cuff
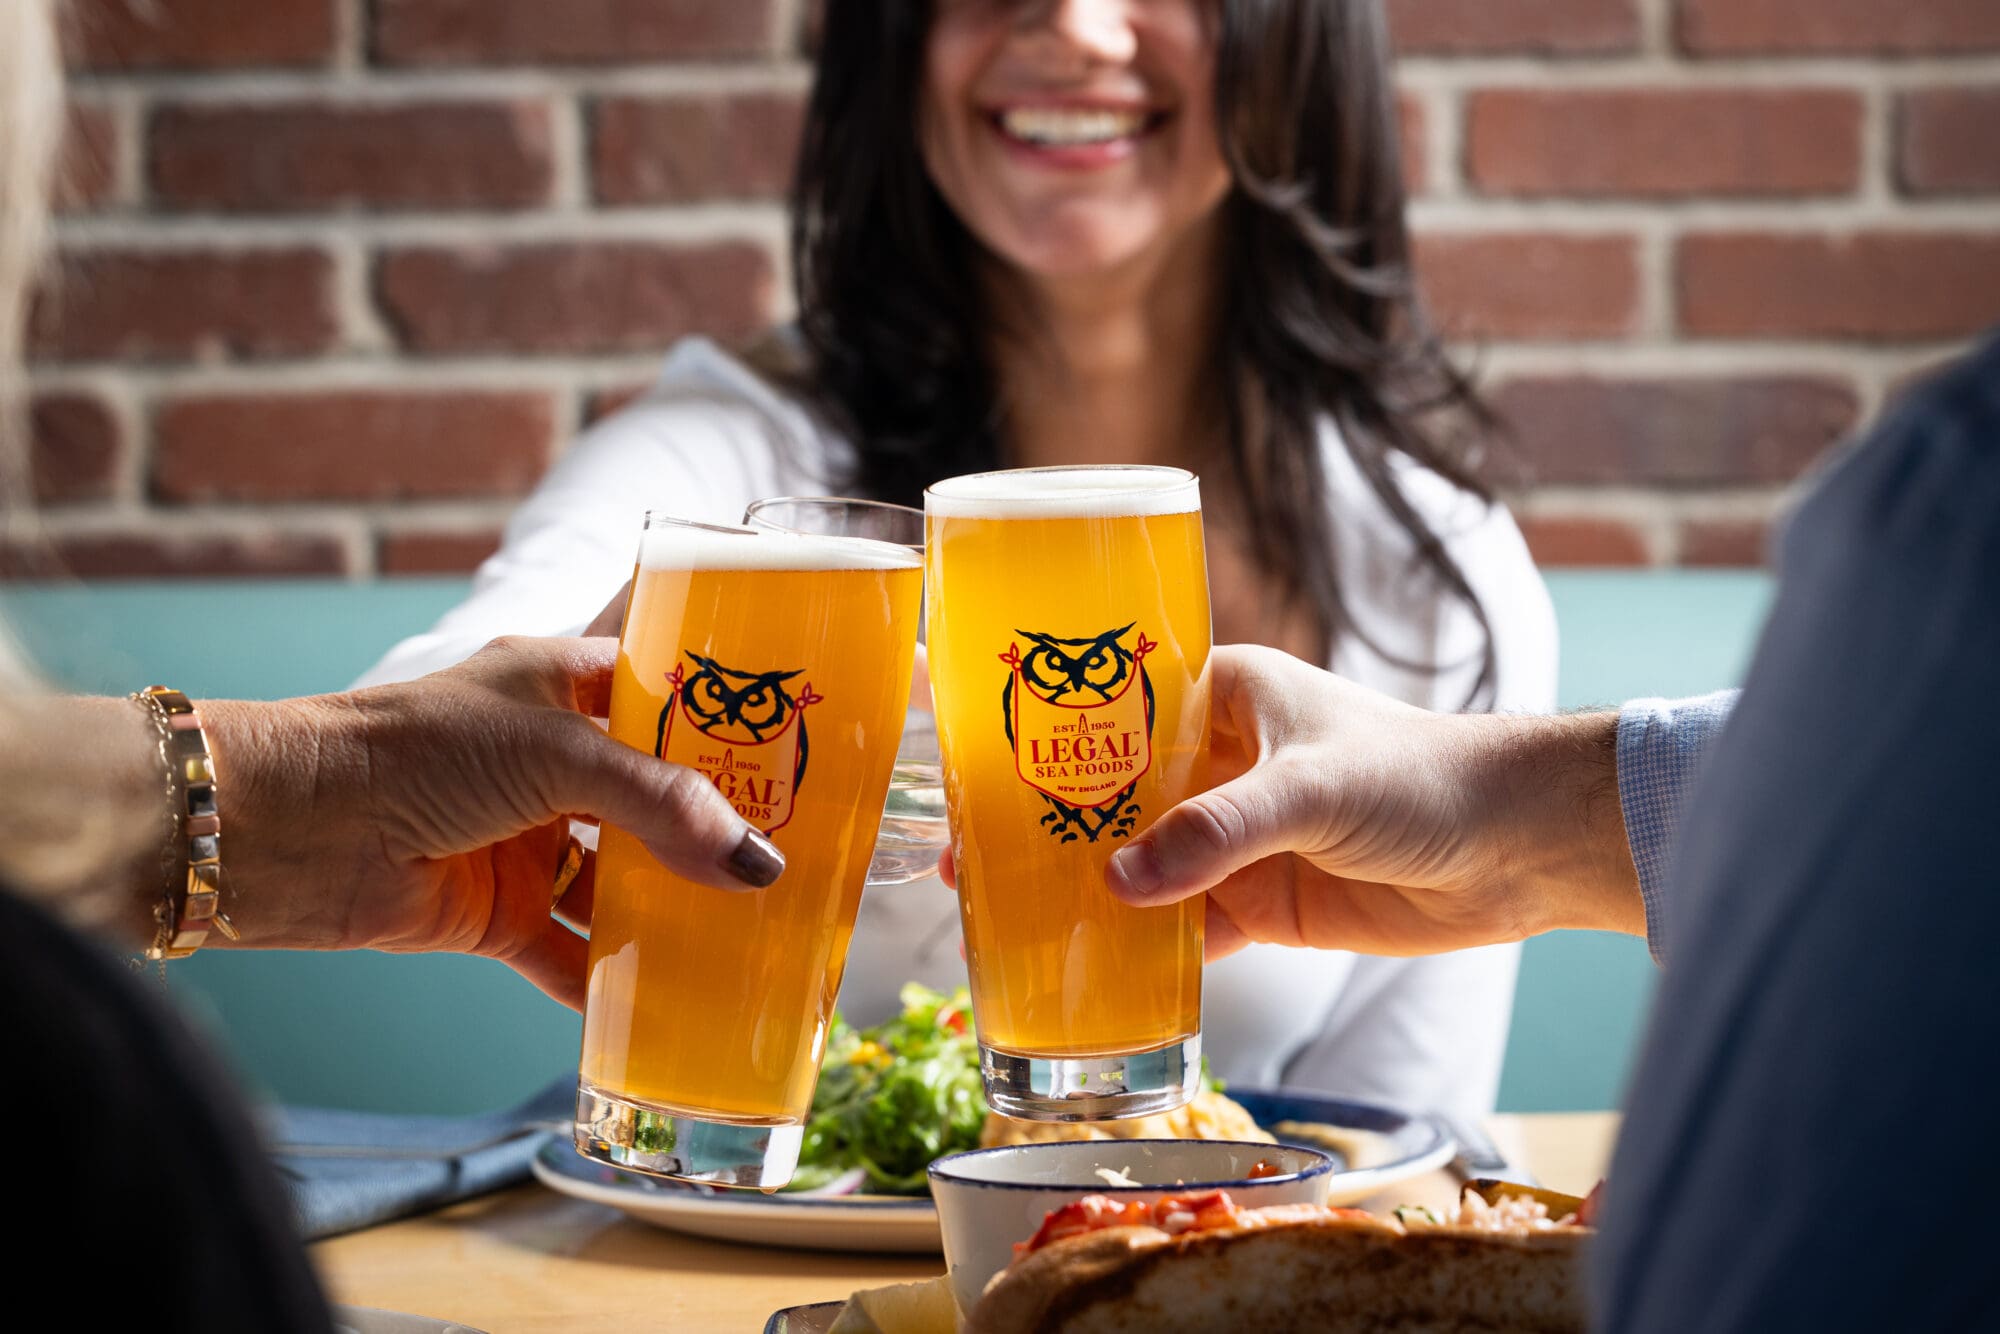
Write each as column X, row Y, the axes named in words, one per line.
column 1661, row 744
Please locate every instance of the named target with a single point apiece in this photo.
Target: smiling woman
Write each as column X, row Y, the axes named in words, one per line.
column 1163, row 232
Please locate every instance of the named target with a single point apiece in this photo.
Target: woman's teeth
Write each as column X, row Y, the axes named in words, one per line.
column 1060, row 127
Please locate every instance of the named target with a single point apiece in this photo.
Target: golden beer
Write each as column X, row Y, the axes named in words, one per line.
column 1069, row 640
column 778, row 665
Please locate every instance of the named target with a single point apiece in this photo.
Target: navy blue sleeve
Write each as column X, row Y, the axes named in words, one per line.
column 1819, row 1052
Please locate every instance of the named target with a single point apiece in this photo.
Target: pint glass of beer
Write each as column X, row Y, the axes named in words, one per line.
column 1069, row 638
column 777, row 665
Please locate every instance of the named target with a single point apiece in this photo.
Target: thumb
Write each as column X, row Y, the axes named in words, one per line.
column 687, row 825
column 1201, row 842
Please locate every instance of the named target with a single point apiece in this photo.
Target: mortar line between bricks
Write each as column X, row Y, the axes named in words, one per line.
column 1446, row 129
column 447, row 84
column 570, row 189
column 1718, row 501
column 787, row 24
column 1626, row 72
column 667, row 77
column 1803, row 215
column 1659, row 321
column 362, row 328
column 350, row 27
column 132, row 418
column 1877, row 153
column 700, row 223
column 1656, row 27
column 391, row 373
column 681, row 223
column 1714, row 359
column 235, row 518
column 553, row 374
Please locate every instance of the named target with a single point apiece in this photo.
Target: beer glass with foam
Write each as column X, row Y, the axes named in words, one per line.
column 1069, row 638
column 777, row 665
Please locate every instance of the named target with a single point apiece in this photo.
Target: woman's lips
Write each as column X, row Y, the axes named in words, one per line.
column 1073, row 137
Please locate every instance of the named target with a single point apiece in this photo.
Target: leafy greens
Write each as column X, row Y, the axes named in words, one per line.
column 893, row 1097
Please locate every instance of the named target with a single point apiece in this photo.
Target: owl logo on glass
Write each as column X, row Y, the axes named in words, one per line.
column 1079, row 717
column 743, row 731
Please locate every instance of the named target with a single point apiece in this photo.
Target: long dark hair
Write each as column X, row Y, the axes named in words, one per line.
column 1320, row 318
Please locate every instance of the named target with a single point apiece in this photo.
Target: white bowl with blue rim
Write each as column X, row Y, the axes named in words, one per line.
column 991, row 1198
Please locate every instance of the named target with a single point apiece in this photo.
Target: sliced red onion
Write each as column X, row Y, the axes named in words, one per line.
column 847, row 1183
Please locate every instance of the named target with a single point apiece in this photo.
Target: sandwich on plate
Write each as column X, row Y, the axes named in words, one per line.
column 1509, row 1259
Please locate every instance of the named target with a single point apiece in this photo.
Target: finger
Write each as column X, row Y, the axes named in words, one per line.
column 580, row 899
column 611, row 621
column 1221, row 936
column 920, row 681
column 684, row 822
column 947, row 869
column 1201, row 841
column 555, row 959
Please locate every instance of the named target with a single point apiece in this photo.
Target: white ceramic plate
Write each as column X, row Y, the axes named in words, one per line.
column 1384, row 1146
column 838, row 1223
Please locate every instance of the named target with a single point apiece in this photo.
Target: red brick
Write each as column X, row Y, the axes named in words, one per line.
column 573, row 297
column 76, row 448
column 1867, row 285
column 200, row 34
column 87, row 173
column 1531, row 284
column 1411, row 124
column 1583, row 541
column 150, row 555
column 478, row 32
column 1725, row 542
column 1948, row 141
column 1514, row 27
column 695, row 146
column 1584, row 429
column 1660, row 143
column 297, row 156
column 350, row 445
column 1844, row 27
column 435, row 552
column 187, row 303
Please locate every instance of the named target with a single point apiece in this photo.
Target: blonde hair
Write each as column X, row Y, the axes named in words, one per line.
column 31, row 120
column 31, row 117
column 65, row 827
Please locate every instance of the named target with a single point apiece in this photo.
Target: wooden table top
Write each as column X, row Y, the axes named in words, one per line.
column 528, row 1260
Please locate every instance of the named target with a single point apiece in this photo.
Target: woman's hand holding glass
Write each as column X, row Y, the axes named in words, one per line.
column 433, row 815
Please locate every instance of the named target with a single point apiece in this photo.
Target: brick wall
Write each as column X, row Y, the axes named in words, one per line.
column 340, row 277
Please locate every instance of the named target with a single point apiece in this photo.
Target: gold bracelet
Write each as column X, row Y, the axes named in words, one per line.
column 192, row 902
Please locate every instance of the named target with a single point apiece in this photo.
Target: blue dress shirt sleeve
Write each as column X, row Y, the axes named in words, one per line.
column 1661, row 744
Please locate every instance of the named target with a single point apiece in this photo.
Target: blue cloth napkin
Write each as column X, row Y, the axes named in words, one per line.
column 331, row 1195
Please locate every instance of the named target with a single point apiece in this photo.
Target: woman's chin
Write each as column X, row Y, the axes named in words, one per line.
column 1074, row 248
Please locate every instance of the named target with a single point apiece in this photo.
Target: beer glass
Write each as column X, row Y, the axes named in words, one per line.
column 913, row 826
column 1069, row 638
column 778, row 666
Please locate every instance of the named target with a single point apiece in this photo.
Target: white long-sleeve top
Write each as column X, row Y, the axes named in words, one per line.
column 710, row 436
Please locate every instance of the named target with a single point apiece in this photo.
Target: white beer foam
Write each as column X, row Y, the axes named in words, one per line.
column 1066, row 493
column 675, row 546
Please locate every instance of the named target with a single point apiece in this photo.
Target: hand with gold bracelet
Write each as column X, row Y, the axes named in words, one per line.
column 428, row 816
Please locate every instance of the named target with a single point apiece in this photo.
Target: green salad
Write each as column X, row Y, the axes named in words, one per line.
column 893, row 1097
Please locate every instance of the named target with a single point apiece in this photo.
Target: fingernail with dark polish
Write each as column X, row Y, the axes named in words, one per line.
column 1137, row 867
column 756, row 861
